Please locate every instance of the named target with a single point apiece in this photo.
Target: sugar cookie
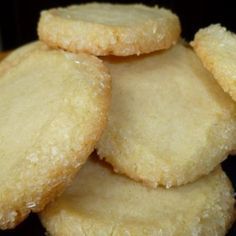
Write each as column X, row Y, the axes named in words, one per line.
column 100, row 202
column 53, row 107
column 216, row 47
column 104, row 29
column 169, row 122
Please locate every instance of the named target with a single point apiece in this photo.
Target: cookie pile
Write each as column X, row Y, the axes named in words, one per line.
column 160, row 131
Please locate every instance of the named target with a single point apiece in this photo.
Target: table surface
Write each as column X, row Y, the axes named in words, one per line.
column 32, row 226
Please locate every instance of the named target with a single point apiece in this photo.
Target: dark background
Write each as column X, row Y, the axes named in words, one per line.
column 18, row 23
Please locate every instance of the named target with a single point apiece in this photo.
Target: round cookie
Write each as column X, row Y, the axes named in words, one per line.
column 216, row 47
column 109, row 29
column 100, row 202
column 170, row 122
column 53, row 107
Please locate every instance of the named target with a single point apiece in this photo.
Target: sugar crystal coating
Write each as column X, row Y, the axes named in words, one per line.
column 50, row 121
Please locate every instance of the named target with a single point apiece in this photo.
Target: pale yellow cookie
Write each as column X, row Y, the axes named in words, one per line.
column 216, row 47
column 170, row 122
column 109, row 29
column 100, row 202
column 53, row 107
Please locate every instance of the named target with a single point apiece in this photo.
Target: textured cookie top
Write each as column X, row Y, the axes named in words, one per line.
column 18, row 54
column 216, row 47
column 112, row 15
column 100, row 202
column 169, row 122
column 104, row 29
column 53, row 108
